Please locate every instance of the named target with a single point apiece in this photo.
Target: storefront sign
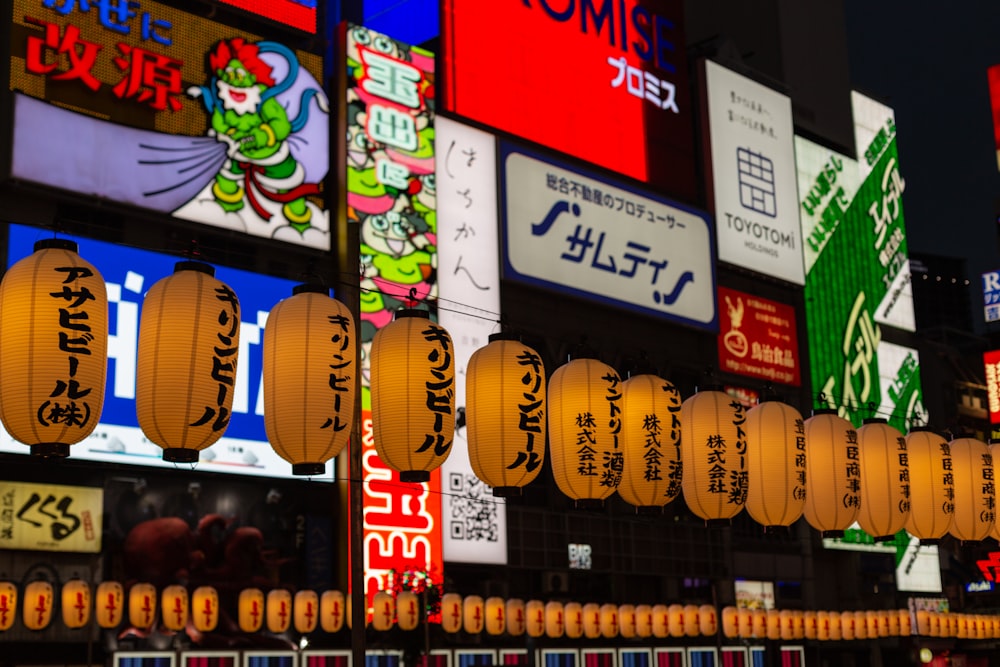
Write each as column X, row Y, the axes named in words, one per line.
column 991, row 361
column 757, row 338
column 51, row 517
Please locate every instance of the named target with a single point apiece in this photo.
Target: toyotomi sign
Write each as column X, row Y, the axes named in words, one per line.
column 753, row 175
column 603, row 241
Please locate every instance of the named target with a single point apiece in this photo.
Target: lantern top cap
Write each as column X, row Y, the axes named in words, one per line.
column 503, row 335
column 412, row 312
column 824, row 411
column 874, row 420
column 310, row 288
column 55, row 244
column 921, row 429
column 191, row 265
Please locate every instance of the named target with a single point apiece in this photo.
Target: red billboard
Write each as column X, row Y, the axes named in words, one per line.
column 757, row 338
column 602, row 80
column 991, row 360
column 299, row 14
column 993, row 74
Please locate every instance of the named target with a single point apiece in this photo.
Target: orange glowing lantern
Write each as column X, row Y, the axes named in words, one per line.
column 905, row 623
column 661, row 623
column 861, row 625
column 650, row 438
column 823, row 626
column 383, row 611
column 885, row 486
column 776, row 464
column 331, row 611
column 36, row 612
column 174, row 607
column 626, row 621
column 109, row 605
column 708, row 623
column 643, row 620
column 848, row 625
column 759, row 623
column 516, row 621
column 473, row 614
column 730, row 622
column 8, row 605
column 930, row 467
column 142, row 605
column 787, row 621
column 407, row 610
column 451, row 612
column 75, row 603
column 251, row 609
column 871, row 623
column 883, row 623
column 496, row 616
column 534, row 613
column 744, row 623
column 923, row 622
column 555, row 620
column 810, row 625
column 711, row 451
column 305, row 608
column 774, row 624
column 974, row 494
column 892, row 618
column 675, row 620
column 609, row 621
column 692, row 620
column 205, row 608
column 833, row 473
column 592, row 620
column 574, row 620
column 279, row 610
column 836, row 625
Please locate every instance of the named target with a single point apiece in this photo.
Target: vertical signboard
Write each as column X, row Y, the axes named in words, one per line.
column 391, row 196
column 150, row 106
column 51, row 517
column 299, row 14
column 475, row 523
column 993, row 76
column 991, row 361
column 991, row 296
column 758, row 338
column 752, row 158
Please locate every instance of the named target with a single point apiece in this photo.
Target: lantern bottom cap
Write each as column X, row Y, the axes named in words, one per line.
column 507, row 491
column 831, row 533
column 589, row 504
column 649, row 510
column 717, row 523
column 50, row 450
column 180, row 455
column 930, row 541
column 414, row 476
column 309, row 469
column 776, row 531
column 885, row 538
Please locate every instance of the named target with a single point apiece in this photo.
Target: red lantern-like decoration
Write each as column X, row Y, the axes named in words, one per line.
column 609, row 620
column 833, row 473
column 975, row 497
column 626, row 621
column 885, row 482
column 473, row 614
column 760, row 623
column 109, row 604
column 905, row 623
column 251, row 610
column 836, row 625
column 305, row 607
column 555, row 619
column 53, row 348
column 36, row 613
column 8, row 605
column 279, row 610
column 931, row 472
column 787, row 620
column 331, row 611
column 661, row 621
column 713, row 454
column 205, row 608
column 505, row 415
column 591, row 620
column 776, row 464
column 309, row 406
column 534, row 613
column 75, row 603
column 574, row 620
column 496, row 616
column 774, row 624
column 730, row 622
column 451, row 612
column 675, row 620
column 407, row 610
column 142, row 605
column 708, row 623
column 643, row 620
column 745, row 623
column 516, row 621
column 174, row 607
column 650, row 439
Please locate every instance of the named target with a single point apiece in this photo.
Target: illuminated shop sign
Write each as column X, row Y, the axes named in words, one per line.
column 602, row 240
column 51, row 517
column 299, row 14
column 154, row 107
column 602, row 80
column 993, row 75
column 129, row 273
column 758, row 338
column 991, row 296
column 752, row 158
column 991, row 362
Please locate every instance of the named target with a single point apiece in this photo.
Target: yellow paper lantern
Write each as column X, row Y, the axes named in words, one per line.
column 905, row 622
column 871, row 624
column 473, row 614
column 643, row 620
column 349, row 613
column 810, row 621
column 309, row 406
column 53, row 348
column 745, row 623
column 823, row 626
column 848, row 625
column 760, row 623
column 496, row 616
column 584, row 423
column 892, row 618
column 692, row 620
column 787, row 621
column 516, row 620
column 975, row 497
column 574, row 620
column 923, row 622
column 555, row 620
column 75, row 603
column 884, row 629
column 184, row 383
column 776, row 464
column 650, row 438
column 331, row 611
column 836, row 625
column 534, row 613
column 451, row 612
column 774, row 624
column 930, row 467
column 36, row 612
column 713, row 454
column 279, row 610
column 251, row 609
column 305, row 608
column 730, row 622
column 675, row 620
column 109, row 605
column 383, row 611
column 708, row 622
column 609, row 621
column 885, row 484
column 205, row 608
column 174, row 607
column 661, row 621
column 833, row 473
column 960, row 625
column 626, row 621
column 142, row 605
column 8, row 605
column 407, row 610
column 505, row 415
column 413, row 394
column 861, row 625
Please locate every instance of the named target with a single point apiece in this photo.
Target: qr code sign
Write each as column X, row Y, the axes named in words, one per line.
column 472, row 509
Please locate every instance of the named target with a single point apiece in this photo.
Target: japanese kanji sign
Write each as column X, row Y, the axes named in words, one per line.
column 50, row 517
column 991, row 296
column 758, row 337
column 991, row 361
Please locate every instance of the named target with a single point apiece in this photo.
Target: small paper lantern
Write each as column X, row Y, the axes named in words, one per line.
column 142, row 605
column 787, row 621
column 848, row 625
column 675, row 620
column 585, row 403
column 974, row 493
column 823, row 626
column 8, row 605
column 760, row 623
column 892, row 618
column 75, row 603
column 555, row 622
column 730, row 622
column 473, row 614
column 860, row 625
column 407, row 610
column 931, row 472
column 592, row 620
column 383, row 611
column 574, row 620
column 643, row 620
column 661, row 623
column 36, row 612
column 174, row 608
column 883, row 623
column 451, row 612
column 774, row 624
column 609, row 621
column 496, row 616
column 905, row 622
column 534, row 613
column 745, row 623
column 309, row 406
column 650, row 439
column 885, row 482
column 109, row 605
column 205, row 608
column 923, row 622
column 251, row 610
column 331, row 611
column 413, row 395
column 871, row 623
column 516, row 621
column 53, row 348
column 626, row 621
column 279, row 610
column 505, row 415
column 692, row 621
column 349, row 613
column 305, row 608
column 957, row 622
column 836, row 625
column 776, row 464
column 708, row 623
column 712, row 451
column 833, row 473
column 810, row 625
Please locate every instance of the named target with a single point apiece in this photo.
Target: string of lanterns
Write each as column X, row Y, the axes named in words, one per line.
column 605, row 434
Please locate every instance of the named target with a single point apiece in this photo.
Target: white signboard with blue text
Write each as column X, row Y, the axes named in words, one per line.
column 580, row 234
column 991, row 296
column 128, row 274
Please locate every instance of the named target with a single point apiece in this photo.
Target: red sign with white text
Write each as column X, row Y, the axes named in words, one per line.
column 991, row 360
column 602, row 80
column 757, row 338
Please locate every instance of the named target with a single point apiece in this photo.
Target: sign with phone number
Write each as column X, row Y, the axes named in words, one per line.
column 51, row 517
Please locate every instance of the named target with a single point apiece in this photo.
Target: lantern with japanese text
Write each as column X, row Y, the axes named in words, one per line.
column 8, row 605
column 730, row 622
column 573, row 613
column 174, row 607
column 708, row 622
column 609, row 620
column 823, row 626
column 871, row 623
column 787, row 620
column 591, row 620
column 496, row 616
column 451, row 612
column 205, row 608
column 883, row 622
column 836, row 621
column 760, row 623
column 413, row 394
column 810, row 628
column 516, row 622
column 860, row 625
column 473, row 614
column 744, row 623
column 75, row 603
column 650, row 439
column 36, row 610
column 555, row 619
column 892, row 618
column 188, row 349
column 534, row 615
column 109, row 604
column 661, row 621
column 383, row 611
column 279, row 610
column 584, row 423
column 692, row 620
column 776, row 464
column 774, row 624
column 331, row 611
column 905, row 622
column 142, row 605
column 305, row 608
column 407, row 610
column 505, row 415
column 309, row 406
column 713, row 452
column 643, row 620
column 53, row 348
column 675, row 620
column 626, row 621
column 930, row 466
column 848, row 626
column 251, row 610
column 923, row 622
column 885, row 482
column 975, row 497
column 833, row 473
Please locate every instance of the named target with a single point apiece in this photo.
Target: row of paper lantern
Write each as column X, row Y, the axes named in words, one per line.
column 605, row 434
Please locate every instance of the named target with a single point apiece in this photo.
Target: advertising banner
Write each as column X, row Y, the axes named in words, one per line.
column 168, row 111
column 758, row 338
column 993, row 76
column 991, row 296
column 991, row 361
column 299, row 14
column 598, row 239
column 752, row 158
column 602, row 80
column 51, row 517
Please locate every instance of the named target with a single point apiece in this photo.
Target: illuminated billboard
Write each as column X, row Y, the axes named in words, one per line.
column 758, row 338
column 605, row 81
column 129, row 273
column 168, row 111
column 991, row 361
column 51, row 517
column 299, row 14
column 752, row 159
column 993, row 76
